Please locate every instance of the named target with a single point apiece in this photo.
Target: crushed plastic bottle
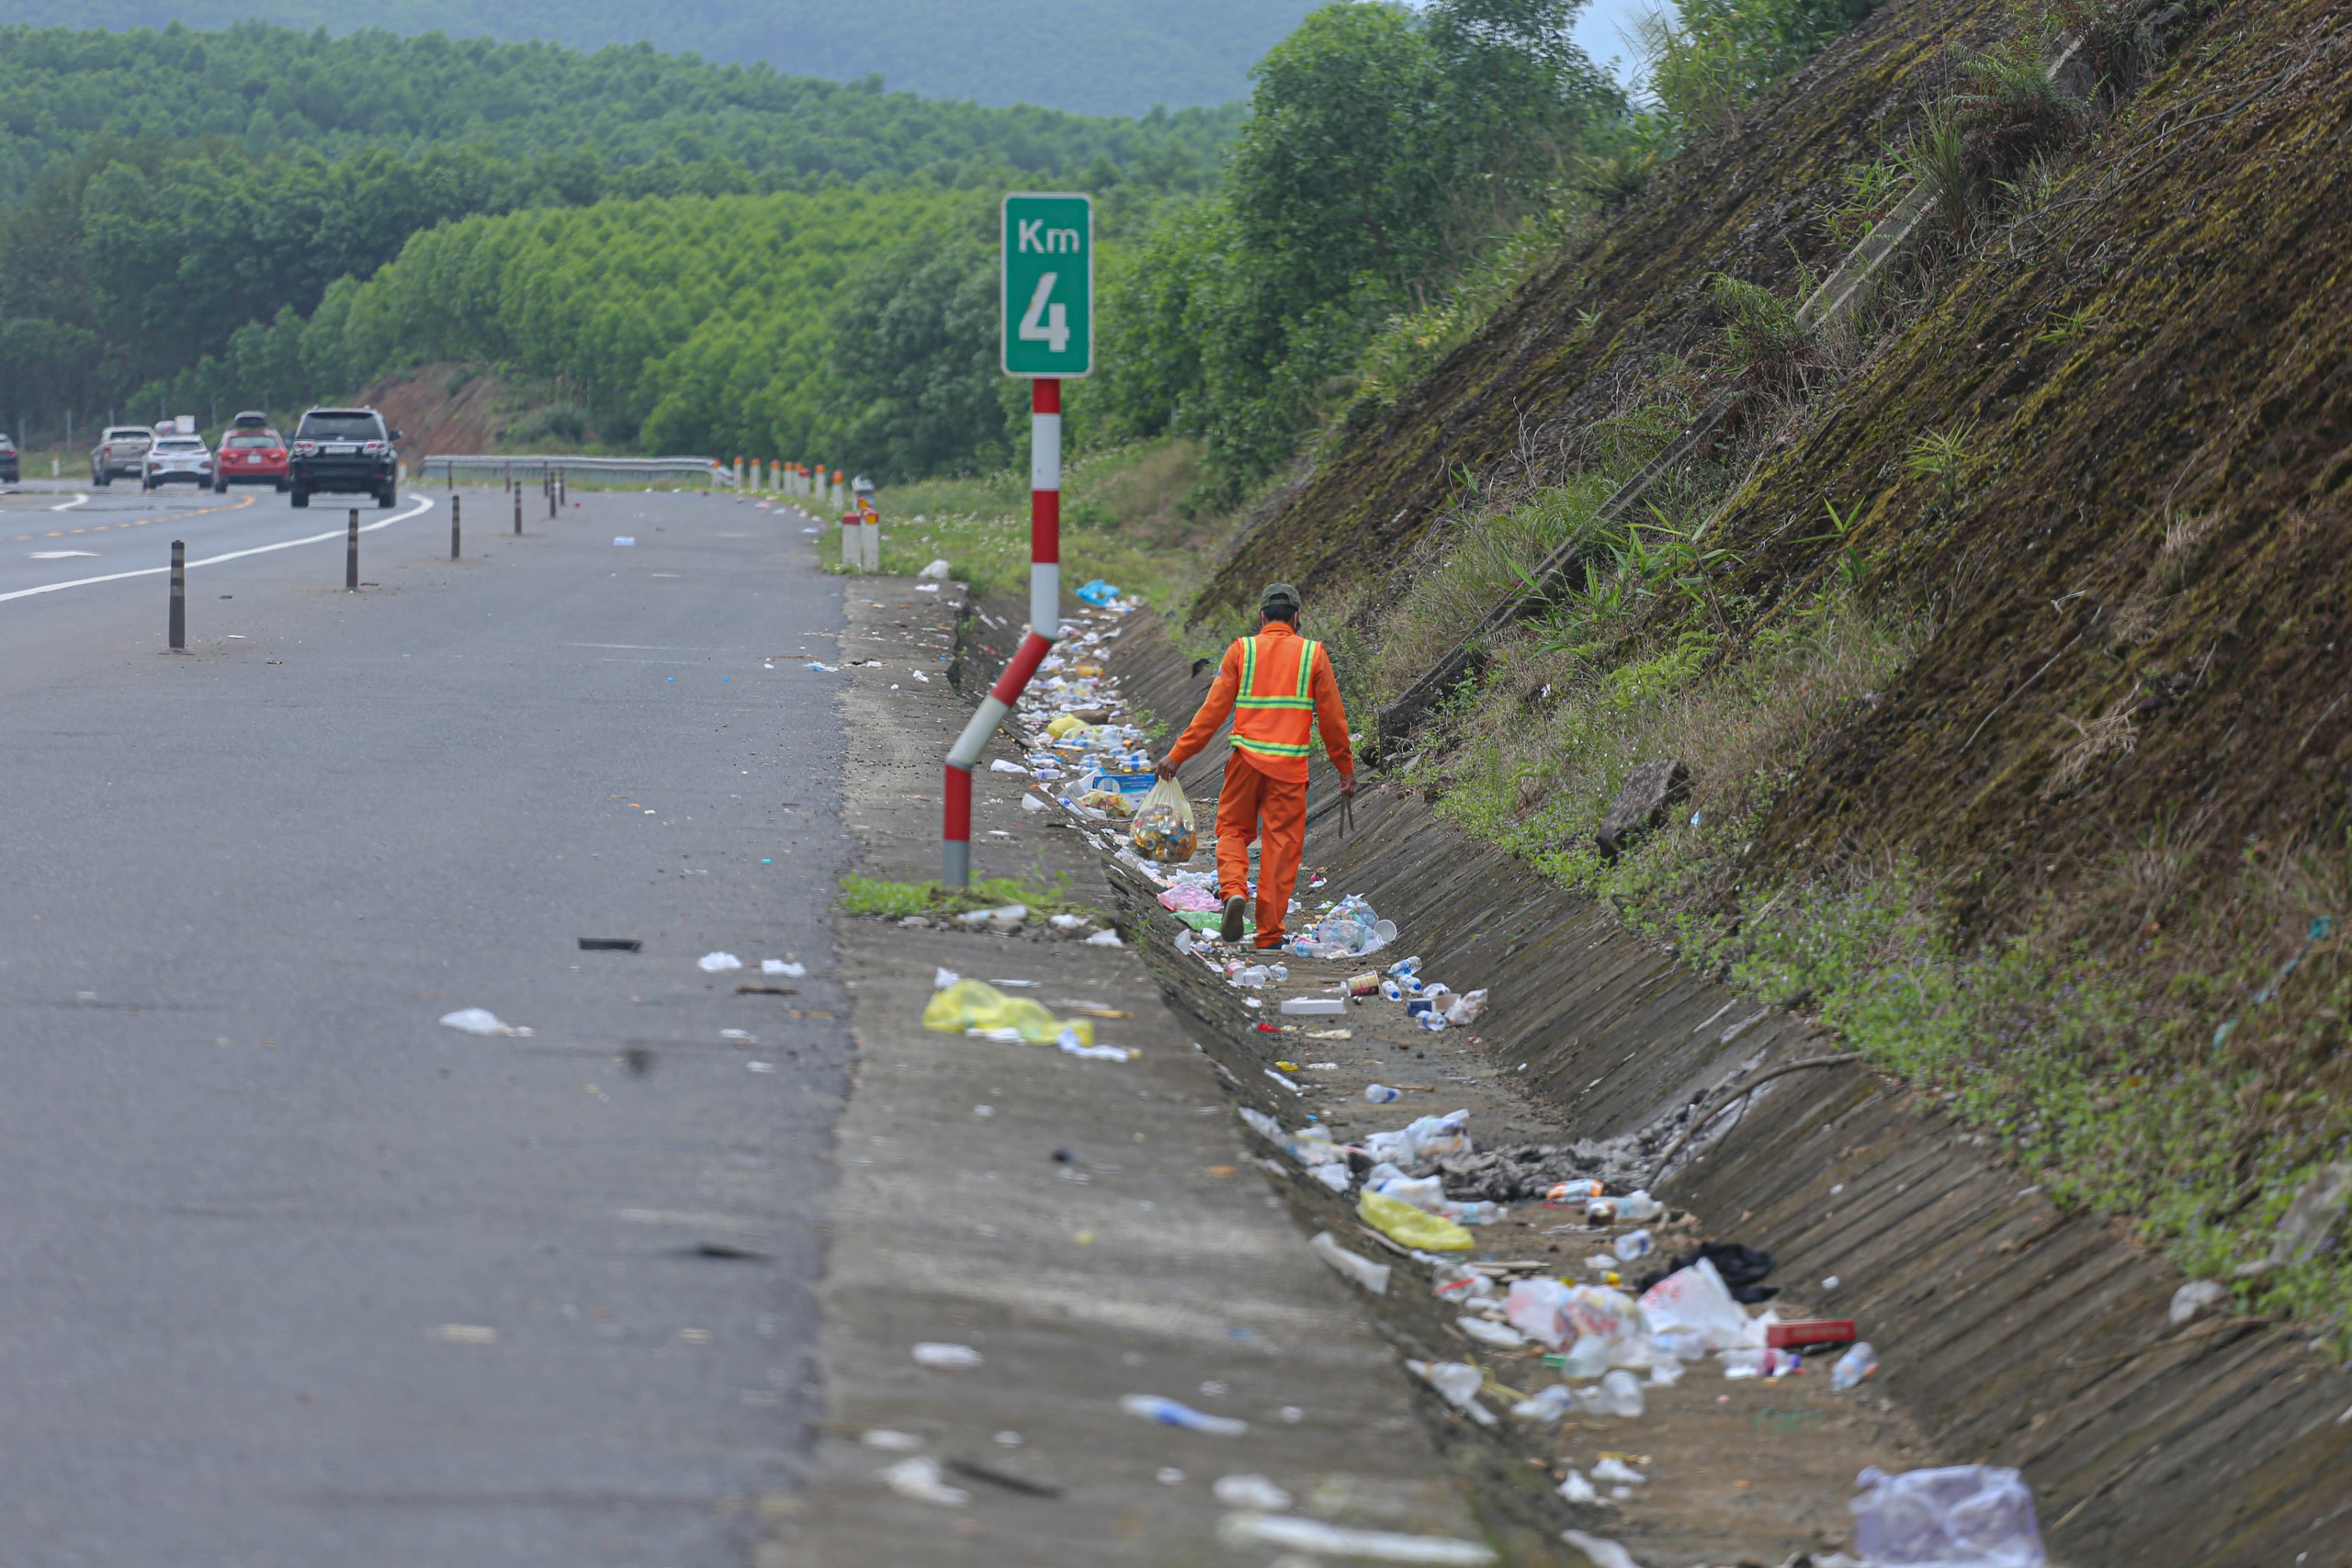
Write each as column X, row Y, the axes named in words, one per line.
column 1639, row 1207
column 1373, row 1277
column 1858, row 1363
column 1405, row 967
column 1622, row 1395
column 1174, row 1413
column 1381, row 1094
column 1458, row 1382
column 1633, row 1245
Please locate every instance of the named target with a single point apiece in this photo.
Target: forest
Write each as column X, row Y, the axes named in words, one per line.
column 727, row 259
column 1091, row 56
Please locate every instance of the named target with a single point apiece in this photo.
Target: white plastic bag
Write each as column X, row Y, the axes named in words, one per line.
column 1964, row 1516
column 1696, row 1300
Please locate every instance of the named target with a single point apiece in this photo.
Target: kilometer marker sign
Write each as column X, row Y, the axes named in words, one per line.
column 1048, row 304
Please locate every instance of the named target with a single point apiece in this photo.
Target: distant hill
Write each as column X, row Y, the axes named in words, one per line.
column 1087, row 56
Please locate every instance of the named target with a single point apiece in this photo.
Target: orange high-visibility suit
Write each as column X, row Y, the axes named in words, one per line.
column 1279, row 688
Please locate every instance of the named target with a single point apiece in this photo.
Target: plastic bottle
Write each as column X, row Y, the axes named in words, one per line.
column 1405, row 967
column 1433, row 1021
column 1859, row 1362
column 1380, row 1094
column 1639, row 1207
column 1633, row 1245
column 1255, row 975
column 1392, row 990
column 1280, row 972
column 1623, row 1392
column 1172, row 1413
column 1574, row 1191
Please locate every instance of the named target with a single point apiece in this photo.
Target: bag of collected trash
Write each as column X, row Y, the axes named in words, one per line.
column 1407, row 1226
column 969, row 1005
column 1964, row 1516
column 1695, row 1299
column 1426, row 1140
column 1184, row 895
column 1533, row 1308
column 1097, row 592
column 1164, row 829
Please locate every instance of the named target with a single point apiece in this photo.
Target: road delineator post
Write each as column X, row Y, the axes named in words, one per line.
column 179, row 596
column 1045, row 627
column 518, row 514
column 351, row 555
column 455, row 502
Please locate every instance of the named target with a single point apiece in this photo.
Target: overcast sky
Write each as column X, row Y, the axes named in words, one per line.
column 1600, row 29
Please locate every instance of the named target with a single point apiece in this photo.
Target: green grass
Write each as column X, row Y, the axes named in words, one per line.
column 1124, row 520
column 895, row 900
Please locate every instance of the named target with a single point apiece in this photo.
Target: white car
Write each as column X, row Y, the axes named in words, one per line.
column 176, row 460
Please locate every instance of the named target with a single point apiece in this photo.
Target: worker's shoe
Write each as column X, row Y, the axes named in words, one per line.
column 1230, row 930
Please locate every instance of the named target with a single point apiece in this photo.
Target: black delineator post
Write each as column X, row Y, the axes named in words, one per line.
column 351, row 555
column 456, row 502
column 518, row 514
column 563, row 489
column 179, row 596
column 550, row 495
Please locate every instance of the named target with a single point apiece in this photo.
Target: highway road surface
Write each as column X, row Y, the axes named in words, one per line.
column 294, row 1276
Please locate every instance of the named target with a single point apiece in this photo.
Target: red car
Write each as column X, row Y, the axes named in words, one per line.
column 250, row 457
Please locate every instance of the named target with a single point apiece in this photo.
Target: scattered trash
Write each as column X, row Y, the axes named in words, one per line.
column 884, row 1438
column 1810, row 1331
column 1314, row 1007
column 1249, row 1491
column 1104, row 939
column 481, row 1020
column 998, row 765
column 1373, row 1277
column 624, row 539
column 1633, row 1245
column 936, row 572
column 1459, row 1382
column 1972, row 1514
column 826, row 669
column 1173, row 1413
column 2309, row 1223
column 1488, row 1332
column 1603, row 1552
column 943, row 1357
column 1030, row 802
column 779, row 967
column 1003, row 918
column 1098, row 593
column 970, row 1469
column 1620, row 1395
column 1407, row 1226
column 974, row 1006
column 918, row 1478
column 1546, row 1406
column 2196, row 1296
column 1859, row 1362
column 1333, row 1540
column 1379, row 1093
column 1617, row 1472
column 1697, row 1299
column 1575, row 1488
column 610, row 944
column 719, row 963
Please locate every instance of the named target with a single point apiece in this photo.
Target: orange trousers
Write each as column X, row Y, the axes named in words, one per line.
column 1247, row 797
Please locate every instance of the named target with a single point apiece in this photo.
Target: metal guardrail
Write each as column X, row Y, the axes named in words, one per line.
column 503, row 468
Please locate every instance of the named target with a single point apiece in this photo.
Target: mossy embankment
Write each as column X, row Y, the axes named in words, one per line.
column 2008, row 637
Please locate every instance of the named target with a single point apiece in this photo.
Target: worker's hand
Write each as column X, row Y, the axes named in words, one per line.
column 1167, row 769
column 1347, row 787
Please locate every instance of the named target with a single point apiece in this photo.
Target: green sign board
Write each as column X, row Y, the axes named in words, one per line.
column 1048, row 285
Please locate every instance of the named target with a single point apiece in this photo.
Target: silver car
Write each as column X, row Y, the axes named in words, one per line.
column 176, row 460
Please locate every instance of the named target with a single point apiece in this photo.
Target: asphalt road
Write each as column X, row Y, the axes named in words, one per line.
column 293, row 1274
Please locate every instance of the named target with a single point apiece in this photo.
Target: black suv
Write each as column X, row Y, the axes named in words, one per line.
column 345, row 450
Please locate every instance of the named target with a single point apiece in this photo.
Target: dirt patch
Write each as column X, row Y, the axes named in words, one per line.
column 442, row 409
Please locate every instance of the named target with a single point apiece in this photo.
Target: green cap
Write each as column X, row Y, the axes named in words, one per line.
column 1278, row 596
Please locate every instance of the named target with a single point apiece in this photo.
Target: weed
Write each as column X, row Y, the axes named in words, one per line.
column 895, row 900
column 1762, row 339
column 1873, row 190
column 1851, row 564
column 1937, row 163
column 1942, row 456
column 2109, row 735
column 1618, row 177
column 2065, row 328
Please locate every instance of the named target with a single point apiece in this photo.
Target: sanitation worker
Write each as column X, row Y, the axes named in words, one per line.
column 1279, row 688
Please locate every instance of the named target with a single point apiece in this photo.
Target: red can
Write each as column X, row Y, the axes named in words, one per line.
column 1815, row 1331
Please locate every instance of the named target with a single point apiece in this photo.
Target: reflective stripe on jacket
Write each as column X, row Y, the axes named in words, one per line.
column 1274, row 712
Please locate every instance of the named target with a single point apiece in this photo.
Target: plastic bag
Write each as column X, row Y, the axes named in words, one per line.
column 1407, row 1226
column 1164, row 829
column 1972, row 1514
column 1696, row 1300
column 970, row 1005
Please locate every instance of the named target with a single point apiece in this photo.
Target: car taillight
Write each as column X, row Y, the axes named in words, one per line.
column 304, row 449
column 373, row 446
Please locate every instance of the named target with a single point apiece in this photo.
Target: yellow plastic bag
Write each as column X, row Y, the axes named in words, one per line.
column 1064, row 723
column 1408, row 1226
column 1164, row 829
column 975, row 1004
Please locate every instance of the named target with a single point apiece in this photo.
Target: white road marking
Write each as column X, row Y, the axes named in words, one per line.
column 417, row 508
column 80, row 499
column 62, row 555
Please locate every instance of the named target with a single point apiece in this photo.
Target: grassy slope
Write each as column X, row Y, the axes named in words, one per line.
column 2036, row 788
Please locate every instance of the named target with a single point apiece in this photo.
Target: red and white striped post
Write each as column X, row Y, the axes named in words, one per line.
column 1045, row 626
